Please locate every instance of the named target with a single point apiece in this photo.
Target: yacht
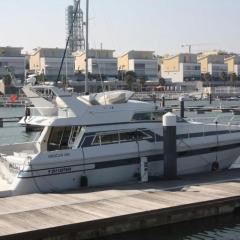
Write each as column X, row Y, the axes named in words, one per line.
column 100, row 139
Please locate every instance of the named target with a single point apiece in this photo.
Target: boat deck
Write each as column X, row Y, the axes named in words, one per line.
column 103, row 211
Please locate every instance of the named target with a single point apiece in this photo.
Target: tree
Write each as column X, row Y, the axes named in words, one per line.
column 207, row 77
column 161, row 81
column 130, row 78
column 223, row 76
column 41, row 78
column 142, row 81
column 233, row 78
column 7, row 80
column 121, row 74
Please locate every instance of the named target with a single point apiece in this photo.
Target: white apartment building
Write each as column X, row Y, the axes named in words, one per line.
column 11, row 60
column 233, row 64
column 100, row 62
column 217, row 69
column 181, row 68
column 47, row 61
column 143, row 63
column 213, row 64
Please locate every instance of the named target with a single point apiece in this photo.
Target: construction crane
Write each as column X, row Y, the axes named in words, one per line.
column 189, row 46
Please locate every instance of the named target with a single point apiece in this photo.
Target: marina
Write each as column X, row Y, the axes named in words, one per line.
column 93, row 212
column 99, row 212
column 106, row 139
column 98, row 144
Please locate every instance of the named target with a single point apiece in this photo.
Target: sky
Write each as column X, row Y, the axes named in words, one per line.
column 122, row 25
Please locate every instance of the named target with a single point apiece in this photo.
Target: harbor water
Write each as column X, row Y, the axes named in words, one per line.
column 217, row 228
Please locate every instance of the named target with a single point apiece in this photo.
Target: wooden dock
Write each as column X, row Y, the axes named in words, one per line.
column 104, row 211
column 201, row 110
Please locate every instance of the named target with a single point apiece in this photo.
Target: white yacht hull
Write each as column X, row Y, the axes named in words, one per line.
column 67, row 176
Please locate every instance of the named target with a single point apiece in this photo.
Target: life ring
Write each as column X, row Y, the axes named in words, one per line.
column 215, row 166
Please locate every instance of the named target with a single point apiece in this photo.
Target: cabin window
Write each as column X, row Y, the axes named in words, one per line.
column 127, row 136
column 148, row 116
column 142, row 116
column 97, row 140
column 138, row 135
column 157, row 116
column 74, row 133
column 109, row 138
column 62, row 138
column 142, row 136
column 133, row 136
column 65, row 138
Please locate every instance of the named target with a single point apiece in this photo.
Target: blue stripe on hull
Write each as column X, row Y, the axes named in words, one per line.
column 131, row 161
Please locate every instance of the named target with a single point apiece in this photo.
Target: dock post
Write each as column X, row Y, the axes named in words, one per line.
column 210, row 98
column 163, row 101
column 1, row 123
column 181, row 99
column 170, row 145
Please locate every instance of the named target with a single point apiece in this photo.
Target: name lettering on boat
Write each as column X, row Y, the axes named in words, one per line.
column 14, row 167
column 59, row 170
column 59, row 155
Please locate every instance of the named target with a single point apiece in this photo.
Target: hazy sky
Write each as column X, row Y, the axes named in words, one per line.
column 159, row 25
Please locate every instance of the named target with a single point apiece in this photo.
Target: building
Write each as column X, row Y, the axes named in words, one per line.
column 12, row 61
column 181, row 68
column 213, row 63
column 101, row 62
column 47, row 61
column 233, row 64
column 143, row 63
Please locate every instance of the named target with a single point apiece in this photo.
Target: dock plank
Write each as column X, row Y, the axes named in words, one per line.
column 42, row 212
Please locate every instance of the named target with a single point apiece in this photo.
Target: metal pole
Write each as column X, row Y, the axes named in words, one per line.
column 181, row 99
column 170, row 146
column 87, row 46
column 163, row 101
column 210, row 98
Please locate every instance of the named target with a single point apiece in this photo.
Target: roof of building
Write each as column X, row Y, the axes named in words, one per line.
column 11, row 51
column 97, row 53
column 137, row 52
column 177, row 55
column 232, row 57
column 49, row 52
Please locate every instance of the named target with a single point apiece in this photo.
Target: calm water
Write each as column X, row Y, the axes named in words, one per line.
column 13, row 132
column 221, row 228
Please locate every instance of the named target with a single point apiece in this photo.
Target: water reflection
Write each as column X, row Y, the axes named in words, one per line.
column 216, row 228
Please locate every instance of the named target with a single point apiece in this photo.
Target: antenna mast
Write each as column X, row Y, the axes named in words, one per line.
column 68, row 39
column 87, row 47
